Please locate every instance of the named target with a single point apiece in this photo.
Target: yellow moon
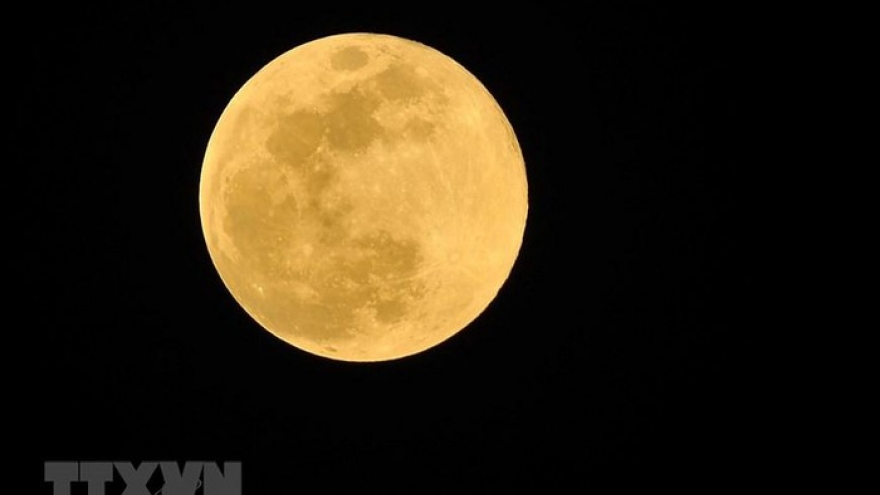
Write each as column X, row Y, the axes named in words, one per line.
column 363, row 197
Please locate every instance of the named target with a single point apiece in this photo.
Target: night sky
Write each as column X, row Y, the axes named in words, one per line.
column 626, row 344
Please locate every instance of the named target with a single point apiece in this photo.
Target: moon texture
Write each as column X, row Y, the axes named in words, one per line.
column 363, row 197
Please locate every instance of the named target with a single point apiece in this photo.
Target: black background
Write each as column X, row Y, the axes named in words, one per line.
column 627, row 343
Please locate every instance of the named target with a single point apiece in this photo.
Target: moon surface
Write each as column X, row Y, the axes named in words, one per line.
column 363, row 197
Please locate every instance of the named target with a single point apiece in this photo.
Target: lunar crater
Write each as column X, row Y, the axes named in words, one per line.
column 349, row 58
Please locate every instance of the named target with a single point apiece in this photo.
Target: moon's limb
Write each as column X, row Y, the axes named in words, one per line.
column 363, row 197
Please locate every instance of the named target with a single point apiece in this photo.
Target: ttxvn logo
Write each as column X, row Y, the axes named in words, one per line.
column 195, row 478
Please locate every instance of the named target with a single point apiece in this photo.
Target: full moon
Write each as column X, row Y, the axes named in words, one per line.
column 363, row 197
